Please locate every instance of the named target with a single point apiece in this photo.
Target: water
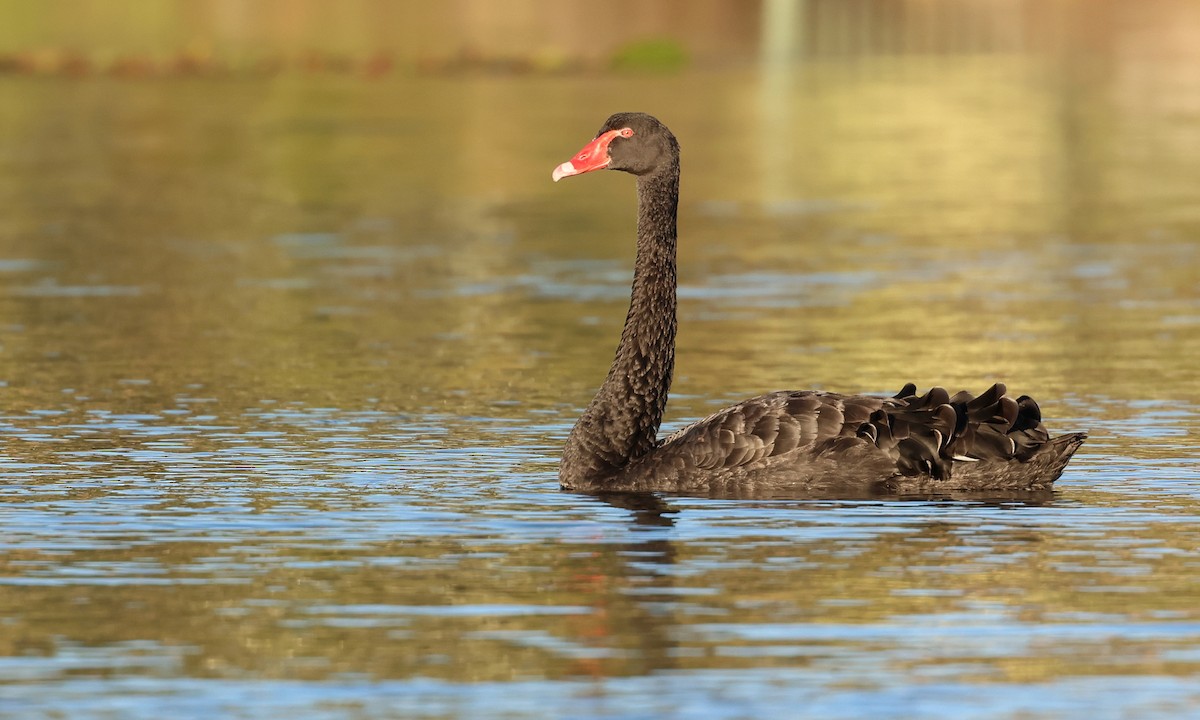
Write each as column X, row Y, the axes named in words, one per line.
column 287, row 363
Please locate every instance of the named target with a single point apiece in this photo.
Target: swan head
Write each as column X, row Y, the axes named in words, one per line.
column 636, row 143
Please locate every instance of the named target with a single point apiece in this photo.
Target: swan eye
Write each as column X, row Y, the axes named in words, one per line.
column 625, row 132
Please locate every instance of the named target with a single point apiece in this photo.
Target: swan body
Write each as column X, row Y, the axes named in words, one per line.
column 805, row 441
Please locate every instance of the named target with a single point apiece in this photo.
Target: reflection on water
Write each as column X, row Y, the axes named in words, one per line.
column 283, row 391
column 199, row 562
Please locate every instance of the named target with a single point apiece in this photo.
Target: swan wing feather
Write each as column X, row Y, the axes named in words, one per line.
column 922, row 434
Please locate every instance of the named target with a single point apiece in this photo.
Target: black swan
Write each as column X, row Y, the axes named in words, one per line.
column 802, row 440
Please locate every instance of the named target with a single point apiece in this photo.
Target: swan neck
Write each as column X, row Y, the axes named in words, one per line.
column 621, row 423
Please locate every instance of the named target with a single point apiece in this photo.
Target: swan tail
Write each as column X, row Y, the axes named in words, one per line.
column 932, row 433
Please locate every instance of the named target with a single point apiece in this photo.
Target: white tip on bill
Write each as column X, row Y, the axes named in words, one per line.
column 563, row 171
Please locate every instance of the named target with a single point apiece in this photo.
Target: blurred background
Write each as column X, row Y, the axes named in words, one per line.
column 293, row 323
column 181, row 36
column 280, row 178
